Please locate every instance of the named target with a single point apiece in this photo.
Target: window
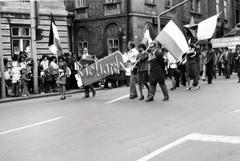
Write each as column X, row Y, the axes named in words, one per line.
column 198, row 9
column 225, row 4
column 80, row 3
column 168, row 3
column 81, row 45
column 150, row 7
column 20, row 38
column 113, row 45
column 196, row 6
column 112, row 7
column 81, row 9
column 217, row 6
column 237, row 16
column 149, row 1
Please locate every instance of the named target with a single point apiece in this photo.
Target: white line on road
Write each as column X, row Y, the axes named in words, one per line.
column 165, row 148
column 117, row 99
column 235, row 111
column 215, row 138
column 193, row 137
column 29, row 126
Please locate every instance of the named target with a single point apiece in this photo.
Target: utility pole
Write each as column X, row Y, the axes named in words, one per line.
column 3, row 89
column 34, row 46
column 164, row 12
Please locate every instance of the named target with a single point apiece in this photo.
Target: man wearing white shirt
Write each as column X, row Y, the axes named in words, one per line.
column 132, row 59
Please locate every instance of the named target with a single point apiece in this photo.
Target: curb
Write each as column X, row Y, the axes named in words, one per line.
column 7, row 100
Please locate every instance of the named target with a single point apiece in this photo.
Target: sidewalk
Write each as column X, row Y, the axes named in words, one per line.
column 34, row 96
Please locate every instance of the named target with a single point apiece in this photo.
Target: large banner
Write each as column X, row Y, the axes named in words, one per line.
column 99, row 70
column 230, row 42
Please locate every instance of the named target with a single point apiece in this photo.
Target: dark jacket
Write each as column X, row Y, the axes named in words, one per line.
column 157, row 66
column 237, row 62
column 143, row 62
column 210, row 57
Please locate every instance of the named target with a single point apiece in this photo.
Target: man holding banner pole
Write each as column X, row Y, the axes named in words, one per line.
column 132, row 59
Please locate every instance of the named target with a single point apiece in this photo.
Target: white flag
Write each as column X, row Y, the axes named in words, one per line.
column 207, row 27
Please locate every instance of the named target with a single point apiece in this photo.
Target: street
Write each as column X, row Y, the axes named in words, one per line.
column 199, row 125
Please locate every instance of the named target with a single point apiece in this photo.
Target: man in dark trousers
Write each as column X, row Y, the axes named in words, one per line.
column 210, row 63
column 156, row 71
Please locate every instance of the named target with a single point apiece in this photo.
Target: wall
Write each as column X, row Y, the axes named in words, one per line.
column 18, row 13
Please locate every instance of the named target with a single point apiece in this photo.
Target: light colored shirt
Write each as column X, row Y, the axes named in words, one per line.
column 54, row 65
column 16, row 75
column 172, row 62
column 45, row 64
column 132, row 55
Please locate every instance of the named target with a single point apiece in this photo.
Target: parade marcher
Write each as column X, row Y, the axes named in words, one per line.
column 68, row 74
column 172, row 70
column 191, row 68
column 156, row 72
column 227, row 62
column 210, row 63
column 220, row 62
column 182, row 70
column 132, row 59
column 90, row 87
column 142, row 73
column 61, row 79
column 237, row 61
column 203, row 60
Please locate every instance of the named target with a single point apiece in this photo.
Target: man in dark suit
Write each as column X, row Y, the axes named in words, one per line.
column 156, row 72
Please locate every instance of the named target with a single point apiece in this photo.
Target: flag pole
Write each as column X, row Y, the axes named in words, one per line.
column 34, row 47
column 3, row 89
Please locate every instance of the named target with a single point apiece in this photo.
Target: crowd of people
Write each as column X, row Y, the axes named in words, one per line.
column 144, row 67
column 152, row 66
column 19, row 74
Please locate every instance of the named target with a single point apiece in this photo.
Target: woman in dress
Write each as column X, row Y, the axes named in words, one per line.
column 191, row 68
column 61, row 79
column 142, row 71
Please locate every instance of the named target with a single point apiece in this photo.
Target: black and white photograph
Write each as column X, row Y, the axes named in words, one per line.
column 120, row 80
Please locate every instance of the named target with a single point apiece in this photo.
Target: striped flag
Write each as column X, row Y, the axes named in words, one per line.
column 207, row 27
column 173, row 38
column 54, row 44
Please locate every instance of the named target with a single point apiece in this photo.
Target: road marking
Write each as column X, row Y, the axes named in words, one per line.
column 29, row 126
column 235, row 111
column 193, row 137
column 117, row 99
column 215, row 138
column 165, row 148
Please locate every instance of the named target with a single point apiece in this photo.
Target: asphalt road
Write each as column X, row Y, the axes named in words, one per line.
column 201, row 125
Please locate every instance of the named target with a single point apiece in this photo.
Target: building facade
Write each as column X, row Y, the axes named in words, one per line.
column 104, row 26
column 16, row 33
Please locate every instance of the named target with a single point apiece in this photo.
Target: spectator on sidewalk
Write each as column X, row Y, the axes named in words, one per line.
column 15, row 74
column 25, row 77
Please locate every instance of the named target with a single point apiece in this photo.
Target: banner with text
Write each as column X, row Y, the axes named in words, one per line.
column 230, row 42
column 99, row 70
